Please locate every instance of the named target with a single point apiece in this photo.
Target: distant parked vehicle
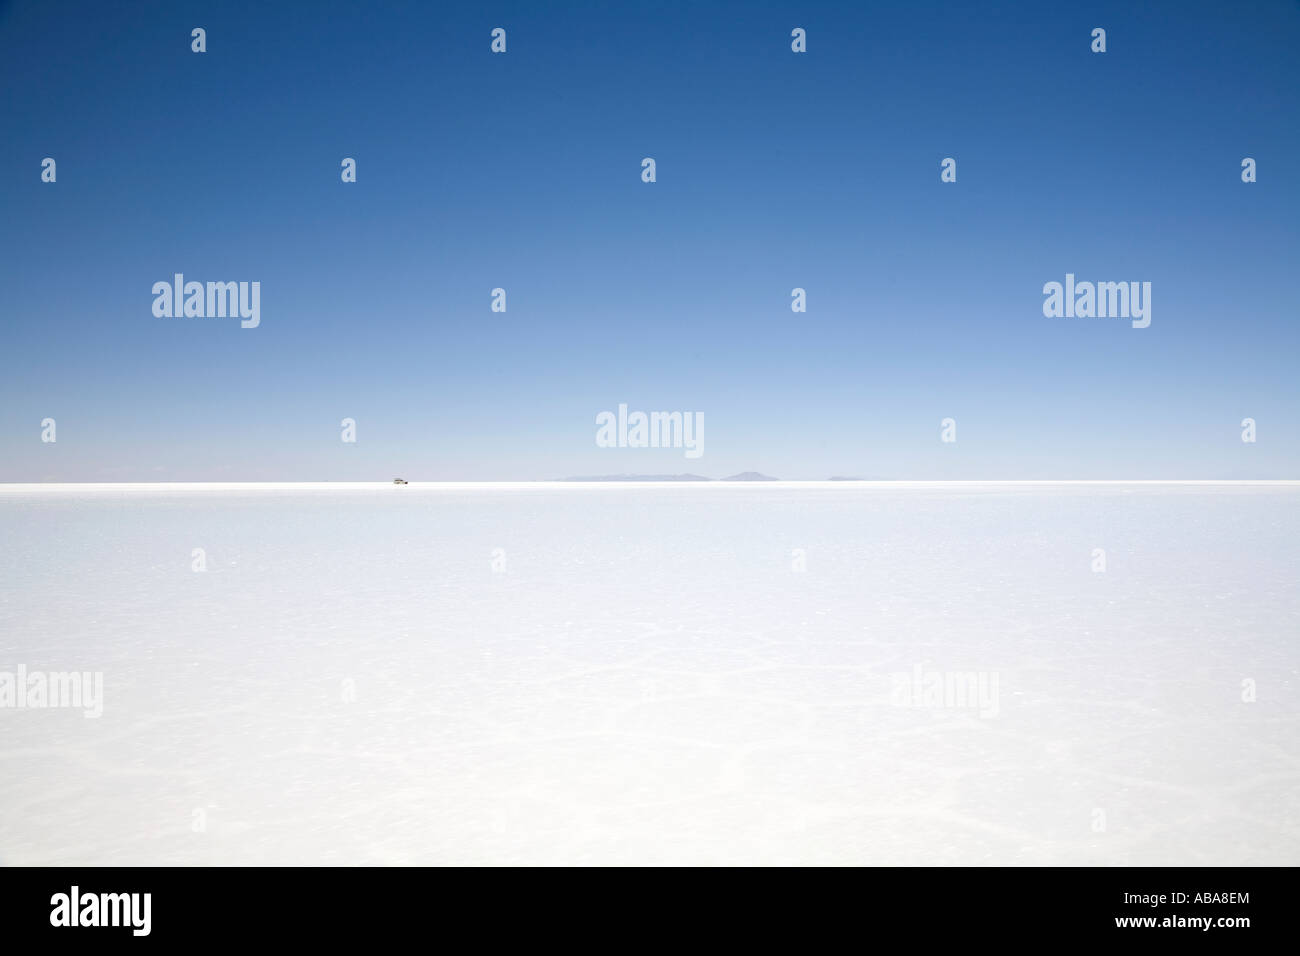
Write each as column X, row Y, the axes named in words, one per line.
column 400, row 481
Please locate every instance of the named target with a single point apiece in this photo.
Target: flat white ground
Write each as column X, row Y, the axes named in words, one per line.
column 649, row 679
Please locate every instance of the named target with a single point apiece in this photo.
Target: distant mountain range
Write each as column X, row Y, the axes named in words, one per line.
column 638, row 478
column 743, row 476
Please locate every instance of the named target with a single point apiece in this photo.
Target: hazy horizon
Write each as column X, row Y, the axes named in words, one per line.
column 659, row 480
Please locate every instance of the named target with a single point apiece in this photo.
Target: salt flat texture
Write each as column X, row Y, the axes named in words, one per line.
column 649, row 679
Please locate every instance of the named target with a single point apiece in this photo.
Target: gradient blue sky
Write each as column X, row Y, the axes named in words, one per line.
column 522, row 170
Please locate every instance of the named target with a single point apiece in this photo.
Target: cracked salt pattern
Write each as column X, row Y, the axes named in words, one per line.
column 649, row 681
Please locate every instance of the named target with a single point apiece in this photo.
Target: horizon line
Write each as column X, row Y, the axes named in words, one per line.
column 29, row 487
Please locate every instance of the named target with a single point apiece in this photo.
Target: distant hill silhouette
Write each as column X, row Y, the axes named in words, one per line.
column 638, row 478
column 743, row 476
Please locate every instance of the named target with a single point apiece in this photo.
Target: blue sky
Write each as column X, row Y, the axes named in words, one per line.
column 775, row 170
